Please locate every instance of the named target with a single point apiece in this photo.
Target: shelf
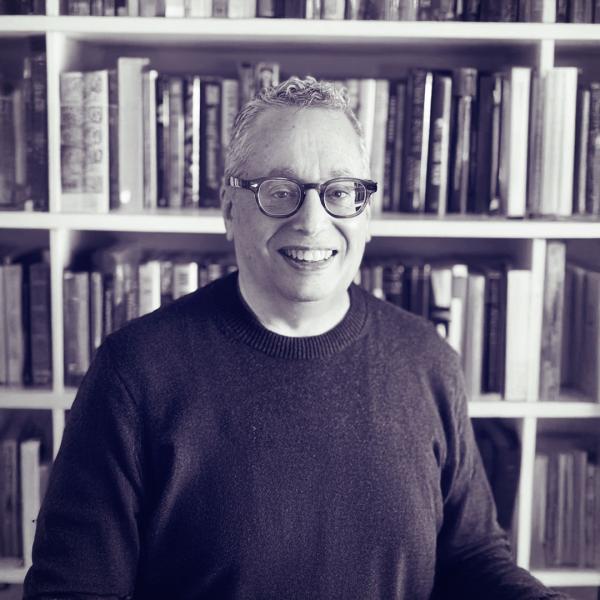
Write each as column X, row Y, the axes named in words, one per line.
column 549, row 410
column 568, row 578
column 400, row 226
column 35, row 399
column 128, row 30
column 12, row 570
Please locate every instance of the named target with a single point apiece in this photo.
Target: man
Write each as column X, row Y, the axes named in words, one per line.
column 279, row 434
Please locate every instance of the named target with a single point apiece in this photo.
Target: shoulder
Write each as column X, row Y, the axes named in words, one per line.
column 167, row 334
column 398, row 331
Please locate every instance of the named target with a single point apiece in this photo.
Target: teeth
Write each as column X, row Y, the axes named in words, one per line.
column 308, row 255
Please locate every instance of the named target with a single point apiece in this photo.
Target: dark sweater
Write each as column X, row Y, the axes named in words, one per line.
column 208, row 458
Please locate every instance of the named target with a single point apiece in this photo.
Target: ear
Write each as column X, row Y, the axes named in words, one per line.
column 226, row 196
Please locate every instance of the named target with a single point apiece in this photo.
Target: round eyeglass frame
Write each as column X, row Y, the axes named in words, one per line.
column 254, row 186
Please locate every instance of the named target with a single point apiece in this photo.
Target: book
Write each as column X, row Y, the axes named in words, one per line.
column 7, row 146
column 397, row 173
column 40, row 333
column 573, row 325
column 464, row 90
column 96, row 296
column 552, row 326
column 589, row 372
column 185, row 276
column 558, row 141
column 176, row 141
column 191, row 124
column 474, row 332
column 441, row 299
column 378, row 143
column 582, row 126
column 72, row 153
column 230, row 106
column 535, row 173
column 592, row 192
column 149, row 88
column 494, row 329
column 512, row 172
column 12, row 274
column 30, row 494
column 517, row 359
column 149, row 286
column 210, row 150
column 438, row 155
column 485, row 198
column 416, row 147
column 76, row 319
column 458, row 307
column 131, row 132
column 162, row 140
column 10, row 526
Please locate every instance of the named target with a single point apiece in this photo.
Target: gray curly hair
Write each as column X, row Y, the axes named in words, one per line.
column 302, row 93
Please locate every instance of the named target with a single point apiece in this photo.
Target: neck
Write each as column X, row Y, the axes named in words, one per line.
column 295, row 319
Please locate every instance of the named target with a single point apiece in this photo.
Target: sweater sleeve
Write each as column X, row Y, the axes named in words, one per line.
column 474, row 559
column 87, row 539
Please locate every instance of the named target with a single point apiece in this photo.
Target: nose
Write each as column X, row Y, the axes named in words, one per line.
column 312, row 216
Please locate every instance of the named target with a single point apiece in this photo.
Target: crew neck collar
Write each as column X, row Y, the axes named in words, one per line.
column 237, row 319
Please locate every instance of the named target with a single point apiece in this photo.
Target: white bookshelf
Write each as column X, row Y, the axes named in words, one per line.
column 326, row 48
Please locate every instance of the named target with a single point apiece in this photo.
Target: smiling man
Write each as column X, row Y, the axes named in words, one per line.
column 279, row 434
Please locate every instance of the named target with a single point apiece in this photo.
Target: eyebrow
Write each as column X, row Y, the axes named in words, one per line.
column 288, row 172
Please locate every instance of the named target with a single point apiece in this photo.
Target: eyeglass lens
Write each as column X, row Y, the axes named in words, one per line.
column 280, row 197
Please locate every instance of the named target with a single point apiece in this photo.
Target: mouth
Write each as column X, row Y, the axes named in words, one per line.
column 308, row 256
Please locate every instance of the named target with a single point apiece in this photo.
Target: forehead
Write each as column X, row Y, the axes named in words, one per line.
column 290, row 138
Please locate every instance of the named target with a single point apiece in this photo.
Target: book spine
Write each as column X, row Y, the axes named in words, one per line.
column 333, row 9
column 592, row 198
column 230, row 105
column 131, row 133
column 9, row 496
column 149, row 287
column 210, row 152
column 596, row 17
column 76, row 326
column 200, row 8
column 581, row 140
column 378, row 148
column 493, row 377
column 566, row 90
column 185, row 278
column 417, row 140
column 562, row 11
column 516, row 352
column 241, row 9
column 162, row 140
column 3, row 330
column 436, row 197
column 7, row 147
column 266, row 9
column 96, row 296
column 398, row 149
column 71, row 135
column 149, row 84
column 191, row 180
column 589, row 372
column 96, row 178
column 113, row 138
column 38, row 164
column 473, row 355
column 176, row 141
column 390, row 132
column 536, row 128
column 465, row 89
column 40, row 324
column 109, row 8
column 13, row 294
column 580, row 11
column 29, row 493
column 266, row 75
column 443, row 10
column 219, row 9
column 20, row 147
column 424, row 10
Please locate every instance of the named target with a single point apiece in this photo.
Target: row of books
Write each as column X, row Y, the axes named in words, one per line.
column 509, row 143
column 566, row 508
column 23, row 136
column 25, row 319
column 24, row 471
column 575, row 11
column 483, row 311
column 168, row 154
column 22, row 7
column 123, row 284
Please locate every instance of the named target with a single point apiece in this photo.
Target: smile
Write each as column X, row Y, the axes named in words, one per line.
column 308, row 255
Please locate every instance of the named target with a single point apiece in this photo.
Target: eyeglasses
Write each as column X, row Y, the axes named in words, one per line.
column 280, row 197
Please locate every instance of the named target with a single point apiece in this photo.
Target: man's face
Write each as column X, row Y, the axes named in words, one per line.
column 310, row 256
